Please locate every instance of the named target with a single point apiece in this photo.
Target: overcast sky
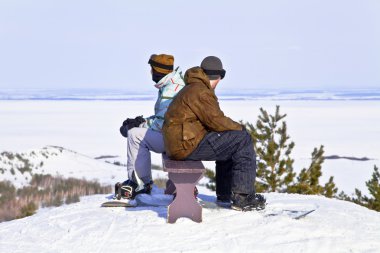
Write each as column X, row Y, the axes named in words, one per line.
column 272, row 44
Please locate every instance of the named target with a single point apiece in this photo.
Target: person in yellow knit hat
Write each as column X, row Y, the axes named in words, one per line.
column 145, row 134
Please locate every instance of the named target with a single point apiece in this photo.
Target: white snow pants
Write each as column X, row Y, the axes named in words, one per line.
column 140, row 142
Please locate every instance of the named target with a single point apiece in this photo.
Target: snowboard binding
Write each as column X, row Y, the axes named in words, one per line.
column 129, row 189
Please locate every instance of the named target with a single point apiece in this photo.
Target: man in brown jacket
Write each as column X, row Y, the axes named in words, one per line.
column 195, row 128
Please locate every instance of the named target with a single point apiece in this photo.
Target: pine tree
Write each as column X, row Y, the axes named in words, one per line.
column 273, row 149
column 343, row 196
column 373, row 186
column 212, row 183
column 308, row 179
column 330, row 189
column 359, row 198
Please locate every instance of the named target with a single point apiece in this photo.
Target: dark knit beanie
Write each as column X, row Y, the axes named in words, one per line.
column 162, row 63
column 213, row 67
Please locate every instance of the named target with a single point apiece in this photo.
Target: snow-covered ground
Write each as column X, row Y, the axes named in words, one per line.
column 89, row 129
column 336, row 226
column 345, row 128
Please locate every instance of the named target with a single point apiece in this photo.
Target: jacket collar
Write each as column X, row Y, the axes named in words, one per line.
column 167, row 79
column 196, row 75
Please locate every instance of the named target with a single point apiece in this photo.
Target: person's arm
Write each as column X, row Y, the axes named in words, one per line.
column 207, row 109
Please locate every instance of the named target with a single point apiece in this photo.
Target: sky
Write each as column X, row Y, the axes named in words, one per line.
column 274, row 44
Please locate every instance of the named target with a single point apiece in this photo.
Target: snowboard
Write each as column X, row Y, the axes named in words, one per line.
column 119, row 203
column 153, row 200
column 294, row 213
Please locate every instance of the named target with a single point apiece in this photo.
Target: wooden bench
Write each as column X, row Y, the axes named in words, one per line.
column 183, row 176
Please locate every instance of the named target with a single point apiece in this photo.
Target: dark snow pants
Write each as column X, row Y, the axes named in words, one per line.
column 235, row 160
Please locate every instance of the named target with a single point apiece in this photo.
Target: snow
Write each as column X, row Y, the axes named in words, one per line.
column 336, row 226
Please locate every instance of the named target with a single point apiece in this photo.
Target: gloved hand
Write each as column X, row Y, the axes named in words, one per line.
column 124, row 131
column 131, row 123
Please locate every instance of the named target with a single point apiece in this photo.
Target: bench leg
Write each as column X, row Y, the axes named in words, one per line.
column 170, row 188
column 185, row 204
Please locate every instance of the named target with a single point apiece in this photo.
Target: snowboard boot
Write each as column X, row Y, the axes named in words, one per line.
column 129, row 189
column 248, row 202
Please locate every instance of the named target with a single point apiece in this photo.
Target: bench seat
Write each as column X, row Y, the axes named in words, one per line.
column 183, row 176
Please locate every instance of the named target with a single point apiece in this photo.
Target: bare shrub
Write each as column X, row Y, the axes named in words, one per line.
column 45, row 191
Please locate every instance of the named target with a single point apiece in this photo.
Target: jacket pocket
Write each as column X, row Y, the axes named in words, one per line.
column 189, row 133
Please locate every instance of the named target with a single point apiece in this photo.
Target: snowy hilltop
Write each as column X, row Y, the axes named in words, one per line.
column 334, row 226
column 330, row 225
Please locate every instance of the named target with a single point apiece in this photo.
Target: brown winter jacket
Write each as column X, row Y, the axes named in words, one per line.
column 193, row 112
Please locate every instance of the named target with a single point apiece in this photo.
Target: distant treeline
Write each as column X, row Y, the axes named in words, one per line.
column 43, row 191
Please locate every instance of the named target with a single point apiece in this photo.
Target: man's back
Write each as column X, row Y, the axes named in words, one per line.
column 193, row 113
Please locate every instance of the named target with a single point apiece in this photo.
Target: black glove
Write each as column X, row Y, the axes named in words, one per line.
column 124, row 131
column 130, row 123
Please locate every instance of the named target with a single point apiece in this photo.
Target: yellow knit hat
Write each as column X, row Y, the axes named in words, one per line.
column 162, row 63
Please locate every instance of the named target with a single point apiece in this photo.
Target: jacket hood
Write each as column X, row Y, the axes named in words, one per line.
column 196, row 75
